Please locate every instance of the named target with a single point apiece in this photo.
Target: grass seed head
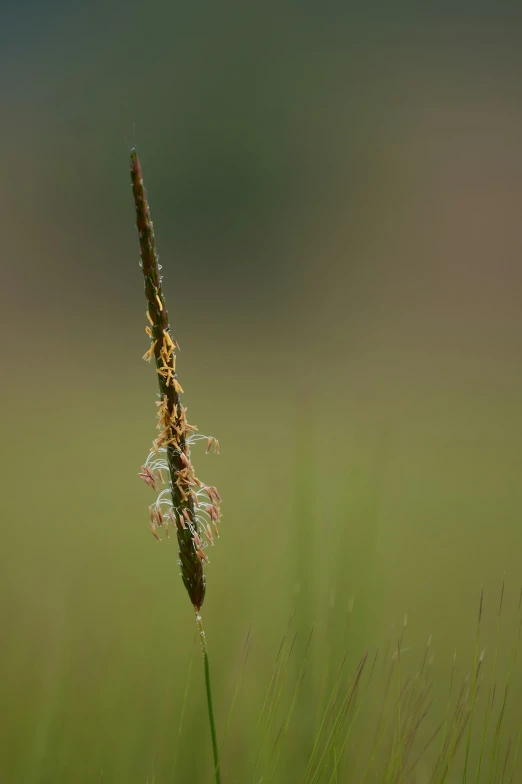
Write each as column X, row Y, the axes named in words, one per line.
column 175, row 431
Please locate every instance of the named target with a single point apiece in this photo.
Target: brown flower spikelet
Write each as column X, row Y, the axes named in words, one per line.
column 172, row 422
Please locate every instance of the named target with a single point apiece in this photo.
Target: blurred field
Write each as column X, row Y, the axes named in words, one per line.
column 336, row 206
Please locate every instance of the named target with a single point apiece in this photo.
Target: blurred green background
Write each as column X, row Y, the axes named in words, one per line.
column 336, row 190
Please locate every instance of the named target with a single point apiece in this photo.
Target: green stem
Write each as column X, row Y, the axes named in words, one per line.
column 212, row 723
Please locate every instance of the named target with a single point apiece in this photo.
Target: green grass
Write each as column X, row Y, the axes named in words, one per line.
column 404, row 732
column 99, row 643
column 415, row 735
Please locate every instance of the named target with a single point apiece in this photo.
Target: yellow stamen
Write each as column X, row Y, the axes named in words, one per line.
column 149, row 354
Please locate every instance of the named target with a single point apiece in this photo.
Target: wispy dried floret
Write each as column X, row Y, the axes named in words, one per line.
column 148, row 477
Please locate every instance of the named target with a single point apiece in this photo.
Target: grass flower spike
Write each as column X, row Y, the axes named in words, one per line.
column 191, row 507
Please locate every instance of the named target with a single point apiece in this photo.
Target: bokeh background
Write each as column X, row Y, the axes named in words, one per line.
column 336, row 190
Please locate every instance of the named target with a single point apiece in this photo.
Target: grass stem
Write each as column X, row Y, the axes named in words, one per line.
column 208, row 687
